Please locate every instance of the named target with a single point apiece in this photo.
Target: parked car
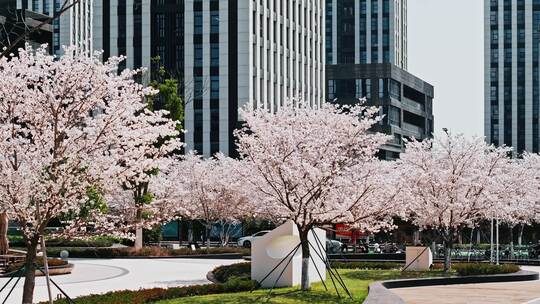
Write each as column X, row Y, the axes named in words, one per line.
column 335, row 246
column 247, row 240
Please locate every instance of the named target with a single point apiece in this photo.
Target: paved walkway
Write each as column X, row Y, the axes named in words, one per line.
column 489, row 293
column 94, row 276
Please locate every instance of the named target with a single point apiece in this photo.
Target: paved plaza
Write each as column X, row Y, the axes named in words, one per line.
column 489, row 293
column 92, row 276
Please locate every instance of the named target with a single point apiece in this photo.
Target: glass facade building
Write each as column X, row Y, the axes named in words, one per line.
column 512, row 82
column 366, row 57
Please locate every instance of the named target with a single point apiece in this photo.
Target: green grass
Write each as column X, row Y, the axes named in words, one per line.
column 357, row 281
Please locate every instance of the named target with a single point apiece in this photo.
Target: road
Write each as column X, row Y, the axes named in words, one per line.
column 94, row 276
column 489, row 293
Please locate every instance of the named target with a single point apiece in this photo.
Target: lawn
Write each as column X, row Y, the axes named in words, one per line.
column 357, row 281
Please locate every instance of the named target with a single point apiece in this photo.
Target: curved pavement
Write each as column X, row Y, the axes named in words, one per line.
column 92, row 276
column 488, row 293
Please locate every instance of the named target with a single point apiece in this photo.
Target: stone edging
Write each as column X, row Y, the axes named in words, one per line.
column 53, row 270
column 211, row 277
column 379, row 292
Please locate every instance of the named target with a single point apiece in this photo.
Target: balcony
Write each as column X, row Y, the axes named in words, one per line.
column 413, row 104
column 416, row 131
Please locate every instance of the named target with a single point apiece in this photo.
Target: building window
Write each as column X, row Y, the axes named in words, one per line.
column 179, row 57
column 160, row 50
column 214, row 54
column 214, row 87
column 160, row 20
column 214, row 22
column 395, row 89
column 381, row 88
column 179, row 24
column 331, row 89
column 198, row 21
column 46, row 8
column 198, row 55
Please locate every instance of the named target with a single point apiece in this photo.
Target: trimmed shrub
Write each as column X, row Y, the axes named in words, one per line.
column 239, row 270
column 100, row 241
column 470, row 269
column 157, row 294
column 144, row 252
column 367, row 265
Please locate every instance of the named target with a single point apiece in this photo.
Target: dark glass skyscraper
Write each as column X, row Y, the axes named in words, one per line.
column 366, row 57
column 512, row 82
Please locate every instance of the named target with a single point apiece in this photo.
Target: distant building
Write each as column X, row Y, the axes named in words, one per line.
column 366, row 57
column 404, row 99
column 74, row 27
column 15, row 23
column 366, row 31
column 511, row 75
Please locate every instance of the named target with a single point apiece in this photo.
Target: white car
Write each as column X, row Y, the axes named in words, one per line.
column 247, row 240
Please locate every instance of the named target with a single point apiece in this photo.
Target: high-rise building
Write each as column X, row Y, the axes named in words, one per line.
column 248, row 53
column 74, row 27
column 366, row 31
column 366, row 57
column 226, row 54
column 511, row 75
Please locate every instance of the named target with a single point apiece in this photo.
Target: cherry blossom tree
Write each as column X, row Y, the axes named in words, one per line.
column 315, row 166
column 453, row 182
column 63, row 124
column 148, row 149
column 210, row 194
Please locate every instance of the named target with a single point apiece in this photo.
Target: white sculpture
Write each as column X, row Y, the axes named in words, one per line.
column 418, row 258
column 269, row 250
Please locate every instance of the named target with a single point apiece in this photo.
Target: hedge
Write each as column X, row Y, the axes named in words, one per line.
column 157, row 294
column 17, row 241
column 243, row 270
column 239, row 270
column 144, row 252
column 367, row 265
column 470, row 269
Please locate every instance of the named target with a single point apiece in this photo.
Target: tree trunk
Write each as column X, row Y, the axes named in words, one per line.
column 447, row 257
column 29, row 272
column 520, row 237
column 139, row 238
column 448, row 237
column 138, row 229
column 4, row 242
column 304, row 281
column 511, row 242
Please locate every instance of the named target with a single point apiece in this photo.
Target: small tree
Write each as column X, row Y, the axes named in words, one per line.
column 61, row 123
column 314, row 167
column 453, row 182
column 209, row 193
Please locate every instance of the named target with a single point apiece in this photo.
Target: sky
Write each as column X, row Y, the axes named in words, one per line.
column 445, row 48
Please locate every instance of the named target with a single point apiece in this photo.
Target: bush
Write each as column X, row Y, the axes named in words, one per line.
column 367, row 265
column 157, row 294
column 144, row 252
column 470, row 269
column 239, row 270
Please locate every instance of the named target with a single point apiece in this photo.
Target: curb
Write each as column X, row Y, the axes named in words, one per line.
column 379, row 293
column 212, row 278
